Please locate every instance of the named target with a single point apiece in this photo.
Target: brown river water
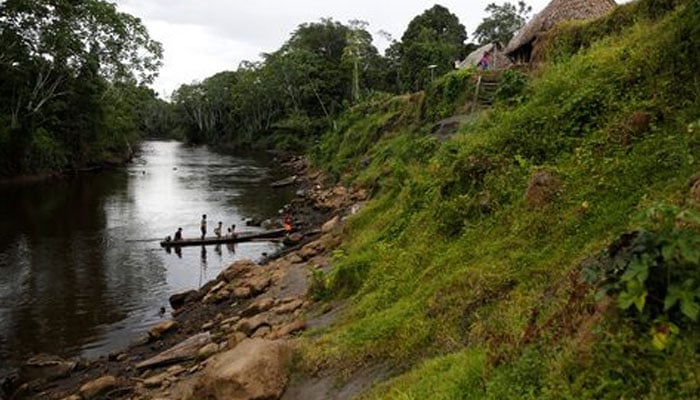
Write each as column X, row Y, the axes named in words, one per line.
column 81, row 269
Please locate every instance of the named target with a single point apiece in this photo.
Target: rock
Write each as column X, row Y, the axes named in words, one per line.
column 208, row 351
column 356, row 208
column 332, row 225
column 284, row 182
column 98, row 387
column 291, row 328
column 237, row 270
column 259, row 306
column 261, row 332
column 156, row 381
column 186, row 350
column 359, row 195
column 208, row 325
column 255, row 369
column 47, row 368
column 159, row 330
column 176, row 370
column 242, row 292
column 179, row 300
column 235, row 339
column 543, row 187
column 340, row 191
column 217, row 297
column 311, row 250
column 194, row 369
column 289, row 307
column 73, row 397
column 258, row 284
column 122, row 357
column 218, row 286
column 230, row 321
column 294, row 258
column 249, row 325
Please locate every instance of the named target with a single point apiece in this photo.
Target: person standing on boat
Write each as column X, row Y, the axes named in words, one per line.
column 178, row 235
column 203, row 226
column 233, row 231
column 217, row 230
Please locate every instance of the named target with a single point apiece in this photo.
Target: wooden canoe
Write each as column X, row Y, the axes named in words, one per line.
column 241, row 237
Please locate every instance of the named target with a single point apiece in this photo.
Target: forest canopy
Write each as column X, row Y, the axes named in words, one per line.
column 72, row 84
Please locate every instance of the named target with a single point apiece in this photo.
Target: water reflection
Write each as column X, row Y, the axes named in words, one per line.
column 81, row 270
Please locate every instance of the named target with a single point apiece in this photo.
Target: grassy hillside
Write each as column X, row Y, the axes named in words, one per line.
column 551, row 249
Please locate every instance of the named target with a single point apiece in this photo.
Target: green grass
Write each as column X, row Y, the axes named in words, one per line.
column 454, row 277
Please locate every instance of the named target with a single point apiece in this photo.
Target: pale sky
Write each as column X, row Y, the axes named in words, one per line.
column 203, row 37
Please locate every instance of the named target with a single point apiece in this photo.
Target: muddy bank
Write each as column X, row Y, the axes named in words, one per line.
column 245, row 323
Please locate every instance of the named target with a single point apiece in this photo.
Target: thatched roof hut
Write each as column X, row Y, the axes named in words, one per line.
column 498, row 59
column 520, row 47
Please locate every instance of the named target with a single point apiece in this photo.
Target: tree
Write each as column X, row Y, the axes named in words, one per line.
column 435, row 37
column 59, row 59
column 358, row 51
column 502, row 22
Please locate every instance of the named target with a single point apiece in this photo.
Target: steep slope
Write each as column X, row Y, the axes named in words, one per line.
column 483, row 268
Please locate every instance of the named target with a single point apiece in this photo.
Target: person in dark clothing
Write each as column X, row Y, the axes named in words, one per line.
column 178, row 234
column 203, row 226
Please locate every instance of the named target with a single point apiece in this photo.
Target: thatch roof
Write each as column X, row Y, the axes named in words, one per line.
column 498, row 59
column 558, row 11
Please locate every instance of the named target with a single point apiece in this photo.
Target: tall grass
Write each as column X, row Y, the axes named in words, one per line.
column 455, row 277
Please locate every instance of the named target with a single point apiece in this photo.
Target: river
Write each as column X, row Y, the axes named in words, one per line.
column 80, row 271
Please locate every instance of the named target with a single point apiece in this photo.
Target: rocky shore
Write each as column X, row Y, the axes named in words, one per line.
column 234, row 338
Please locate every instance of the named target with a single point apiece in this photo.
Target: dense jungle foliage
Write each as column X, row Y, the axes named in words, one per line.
column 72, row 85
column 548, row 250
column 74, row 88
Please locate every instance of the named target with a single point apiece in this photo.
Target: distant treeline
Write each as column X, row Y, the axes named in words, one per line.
column 294, row 93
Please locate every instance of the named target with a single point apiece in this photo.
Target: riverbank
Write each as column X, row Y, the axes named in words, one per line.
column 106, row 165
column 248, row 306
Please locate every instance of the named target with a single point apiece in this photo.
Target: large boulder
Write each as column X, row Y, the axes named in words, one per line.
column 256, row 369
